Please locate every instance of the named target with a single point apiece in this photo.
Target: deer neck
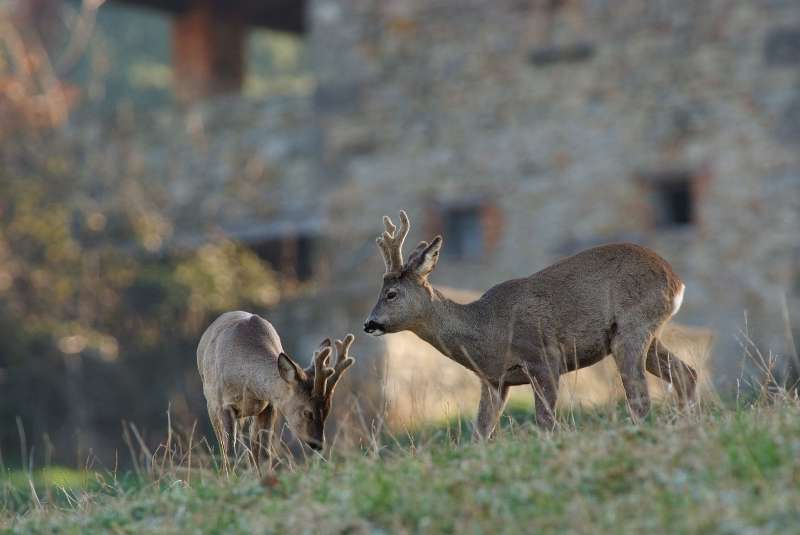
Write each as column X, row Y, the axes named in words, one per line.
column 454, row 329
column 271, row 387
column 278, row 392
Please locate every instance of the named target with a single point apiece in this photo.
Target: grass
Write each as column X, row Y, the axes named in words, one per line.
column 715, row 471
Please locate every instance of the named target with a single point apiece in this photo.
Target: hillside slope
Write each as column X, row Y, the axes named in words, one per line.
column 719, row 472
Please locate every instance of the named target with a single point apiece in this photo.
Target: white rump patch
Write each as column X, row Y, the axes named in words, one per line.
column 677, row 300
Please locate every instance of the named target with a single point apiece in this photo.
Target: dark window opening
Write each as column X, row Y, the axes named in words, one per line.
column 795, row 281
column 674, row 201
column 463, row 232
column 782, row 47
column 291, row 256
column 550, row 55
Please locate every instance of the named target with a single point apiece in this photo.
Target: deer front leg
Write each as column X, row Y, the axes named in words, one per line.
column 215, row 415
column 227, row 418
column 544, row 382
column 493, row 399
column 223, row 423
column 261, row 434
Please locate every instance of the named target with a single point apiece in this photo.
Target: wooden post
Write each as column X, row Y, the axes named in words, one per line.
column 209, row 51
column 40, row 19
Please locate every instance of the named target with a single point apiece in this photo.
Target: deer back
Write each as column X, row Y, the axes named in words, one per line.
column 615, row 281
column 239, row 346
column 582, row 301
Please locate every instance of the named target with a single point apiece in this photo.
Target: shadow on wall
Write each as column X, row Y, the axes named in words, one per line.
column 423, row 386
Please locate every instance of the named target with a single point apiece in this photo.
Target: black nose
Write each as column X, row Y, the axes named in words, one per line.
column 372, row 326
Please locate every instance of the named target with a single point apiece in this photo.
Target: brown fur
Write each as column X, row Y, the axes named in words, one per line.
column 611, row 299
column 245, row 373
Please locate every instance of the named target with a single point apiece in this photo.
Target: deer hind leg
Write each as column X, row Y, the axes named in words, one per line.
column 629, row 348
column 261, row 433
column 493, row 399
column 666, row 366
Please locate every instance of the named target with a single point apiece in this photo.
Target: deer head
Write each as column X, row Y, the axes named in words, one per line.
column 406, row 292
column 309, row 403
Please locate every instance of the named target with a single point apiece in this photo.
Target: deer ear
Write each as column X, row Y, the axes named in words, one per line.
column 289, row 370
column 423, row 263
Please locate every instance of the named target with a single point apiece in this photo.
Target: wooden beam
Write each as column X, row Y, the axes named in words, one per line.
column 208, row 51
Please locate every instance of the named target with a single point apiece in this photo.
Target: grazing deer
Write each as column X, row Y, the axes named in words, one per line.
column 245, row 373
column 611, row 299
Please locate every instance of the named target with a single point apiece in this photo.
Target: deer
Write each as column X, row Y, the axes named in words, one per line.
column 612, row 299
column 246, row 373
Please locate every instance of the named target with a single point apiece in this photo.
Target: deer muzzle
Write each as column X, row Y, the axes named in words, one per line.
column 374, row 328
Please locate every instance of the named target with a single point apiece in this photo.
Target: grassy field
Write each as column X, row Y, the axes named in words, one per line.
column 715, row 471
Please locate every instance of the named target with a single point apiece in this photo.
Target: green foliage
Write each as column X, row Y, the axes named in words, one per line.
column 95, row 311
column 216, row 273
column 100, row 311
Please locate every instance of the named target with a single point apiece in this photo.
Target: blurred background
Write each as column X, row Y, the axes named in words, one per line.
column 163, row 161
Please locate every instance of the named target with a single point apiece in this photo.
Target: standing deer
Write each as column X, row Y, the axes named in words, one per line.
column 245, row 373
column 611, row 299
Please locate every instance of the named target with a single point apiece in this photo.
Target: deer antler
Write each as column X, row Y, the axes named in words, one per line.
column 321, row 370
column 343, row 361
column 391, row 242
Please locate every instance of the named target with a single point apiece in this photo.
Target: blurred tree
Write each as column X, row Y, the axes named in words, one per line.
column 92, row 333
column 99, row 315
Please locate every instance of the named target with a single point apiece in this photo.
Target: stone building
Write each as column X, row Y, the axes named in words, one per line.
column 525, row 131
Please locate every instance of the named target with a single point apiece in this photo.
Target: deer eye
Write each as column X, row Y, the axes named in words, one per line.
column 391, row 294
column 308, row 415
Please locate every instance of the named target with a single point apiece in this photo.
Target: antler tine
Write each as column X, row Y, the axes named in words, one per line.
column 400, row 237
column 310, row 369
column 387, row 256
column 321, row 370
column 343, row 361
column 390, row 227
column 391, row 242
